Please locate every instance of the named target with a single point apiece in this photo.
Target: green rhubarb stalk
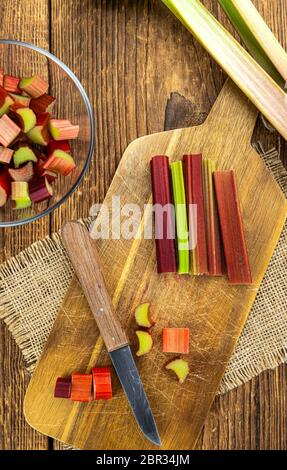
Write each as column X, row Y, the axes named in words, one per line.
column 180, row 217
column 258, row 86
column 258, row 38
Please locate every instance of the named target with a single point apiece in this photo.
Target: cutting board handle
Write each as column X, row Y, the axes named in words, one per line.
column 230, row 109
column 85, row 259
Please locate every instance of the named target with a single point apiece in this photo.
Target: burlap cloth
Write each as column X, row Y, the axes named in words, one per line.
column 33, row 285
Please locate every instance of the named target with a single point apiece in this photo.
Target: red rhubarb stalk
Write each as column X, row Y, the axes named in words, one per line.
column 25, row 173
column 11, row 83
column 63, row 388
column 41, row 104
column 40, row 189
column 8, row 130
column 62, row 129
column 192, row 167
column 6, row 155
column 175, row 340
column 214, row 245
column 35, row 86
column 81, row 387
column 236, row 257
column 5, row 187
column 163, row 215
column 102, row 383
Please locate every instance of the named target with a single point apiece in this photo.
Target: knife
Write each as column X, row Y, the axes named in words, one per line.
column 85, row 259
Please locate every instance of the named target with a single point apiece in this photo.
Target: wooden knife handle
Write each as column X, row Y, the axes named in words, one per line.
column 85, row 259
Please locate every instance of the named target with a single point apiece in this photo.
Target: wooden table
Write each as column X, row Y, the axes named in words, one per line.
column 142, row 72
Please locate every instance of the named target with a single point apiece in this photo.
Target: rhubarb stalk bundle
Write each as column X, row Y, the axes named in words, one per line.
column 258, row 86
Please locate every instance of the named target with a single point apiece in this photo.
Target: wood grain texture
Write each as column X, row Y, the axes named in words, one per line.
column 118, row 50
column 27, row 21
column 129, row 267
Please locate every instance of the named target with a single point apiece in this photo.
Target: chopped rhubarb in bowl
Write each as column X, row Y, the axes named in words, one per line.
column 46, row 133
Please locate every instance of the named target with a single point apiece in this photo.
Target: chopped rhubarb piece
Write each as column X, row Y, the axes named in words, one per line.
column 175, row 340
column 60, row 162
column 5, row 188
column 40, row 133
column 35, row 86
column 236, row 257
column 62, row 129
column 180, row 367
column 192, row 167
column 40, row 189
column 5, row 155
column 25, row 173
column 163, row 215
column 22, row 100
column 11, row 83
column 145, row 342
column 180, row 217
column 5, row 101
column 23, row 154
column 41, row 104
column 63, row 388
column 81, row 387
column 59, row 145
column 8, row 130
column 214, row 246
column 142, row 316
column 20, row 195
column 102, row 383
column 24, row 117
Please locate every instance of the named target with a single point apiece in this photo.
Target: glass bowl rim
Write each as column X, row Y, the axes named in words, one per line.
column 86, row 100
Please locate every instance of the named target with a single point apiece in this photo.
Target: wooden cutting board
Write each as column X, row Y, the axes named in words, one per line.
column 214, row 311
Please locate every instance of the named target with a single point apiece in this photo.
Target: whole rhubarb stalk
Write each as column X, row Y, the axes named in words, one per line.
column 258, row 86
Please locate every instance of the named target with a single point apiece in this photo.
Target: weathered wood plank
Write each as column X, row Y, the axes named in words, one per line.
column 27, row 21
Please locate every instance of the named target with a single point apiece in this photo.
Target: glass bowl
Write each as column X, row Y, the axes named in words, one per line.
column 23, row 60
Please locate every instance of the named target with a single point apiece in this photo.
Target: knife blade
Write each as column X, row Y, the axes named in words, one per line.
column 85, row 259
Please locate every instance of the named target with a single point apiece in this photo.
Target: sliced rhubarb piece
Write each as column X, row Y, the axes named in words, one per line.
column 23, row 154
column 192, row 167
column 62, row 129
column 180, row 217
column 5, row 101
column 20, row 195
column 5, row 188
column 8, row 130
column 6, row 155
column 214, row 245
column 35, row 86
column 24, row 117
column 11, row 83
column 142, row 316
column 19, row 99
column 236, row 256
column 102, row 383
column 40, row 133
column 25, row 173
column 175, row 340
column 60, row 162
column 145, row 342
column 41, row 104
column 180, row 367
column 164, row 219
column 81, row 387
column 59, row 145
column 40, row 189
column 63, row 388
